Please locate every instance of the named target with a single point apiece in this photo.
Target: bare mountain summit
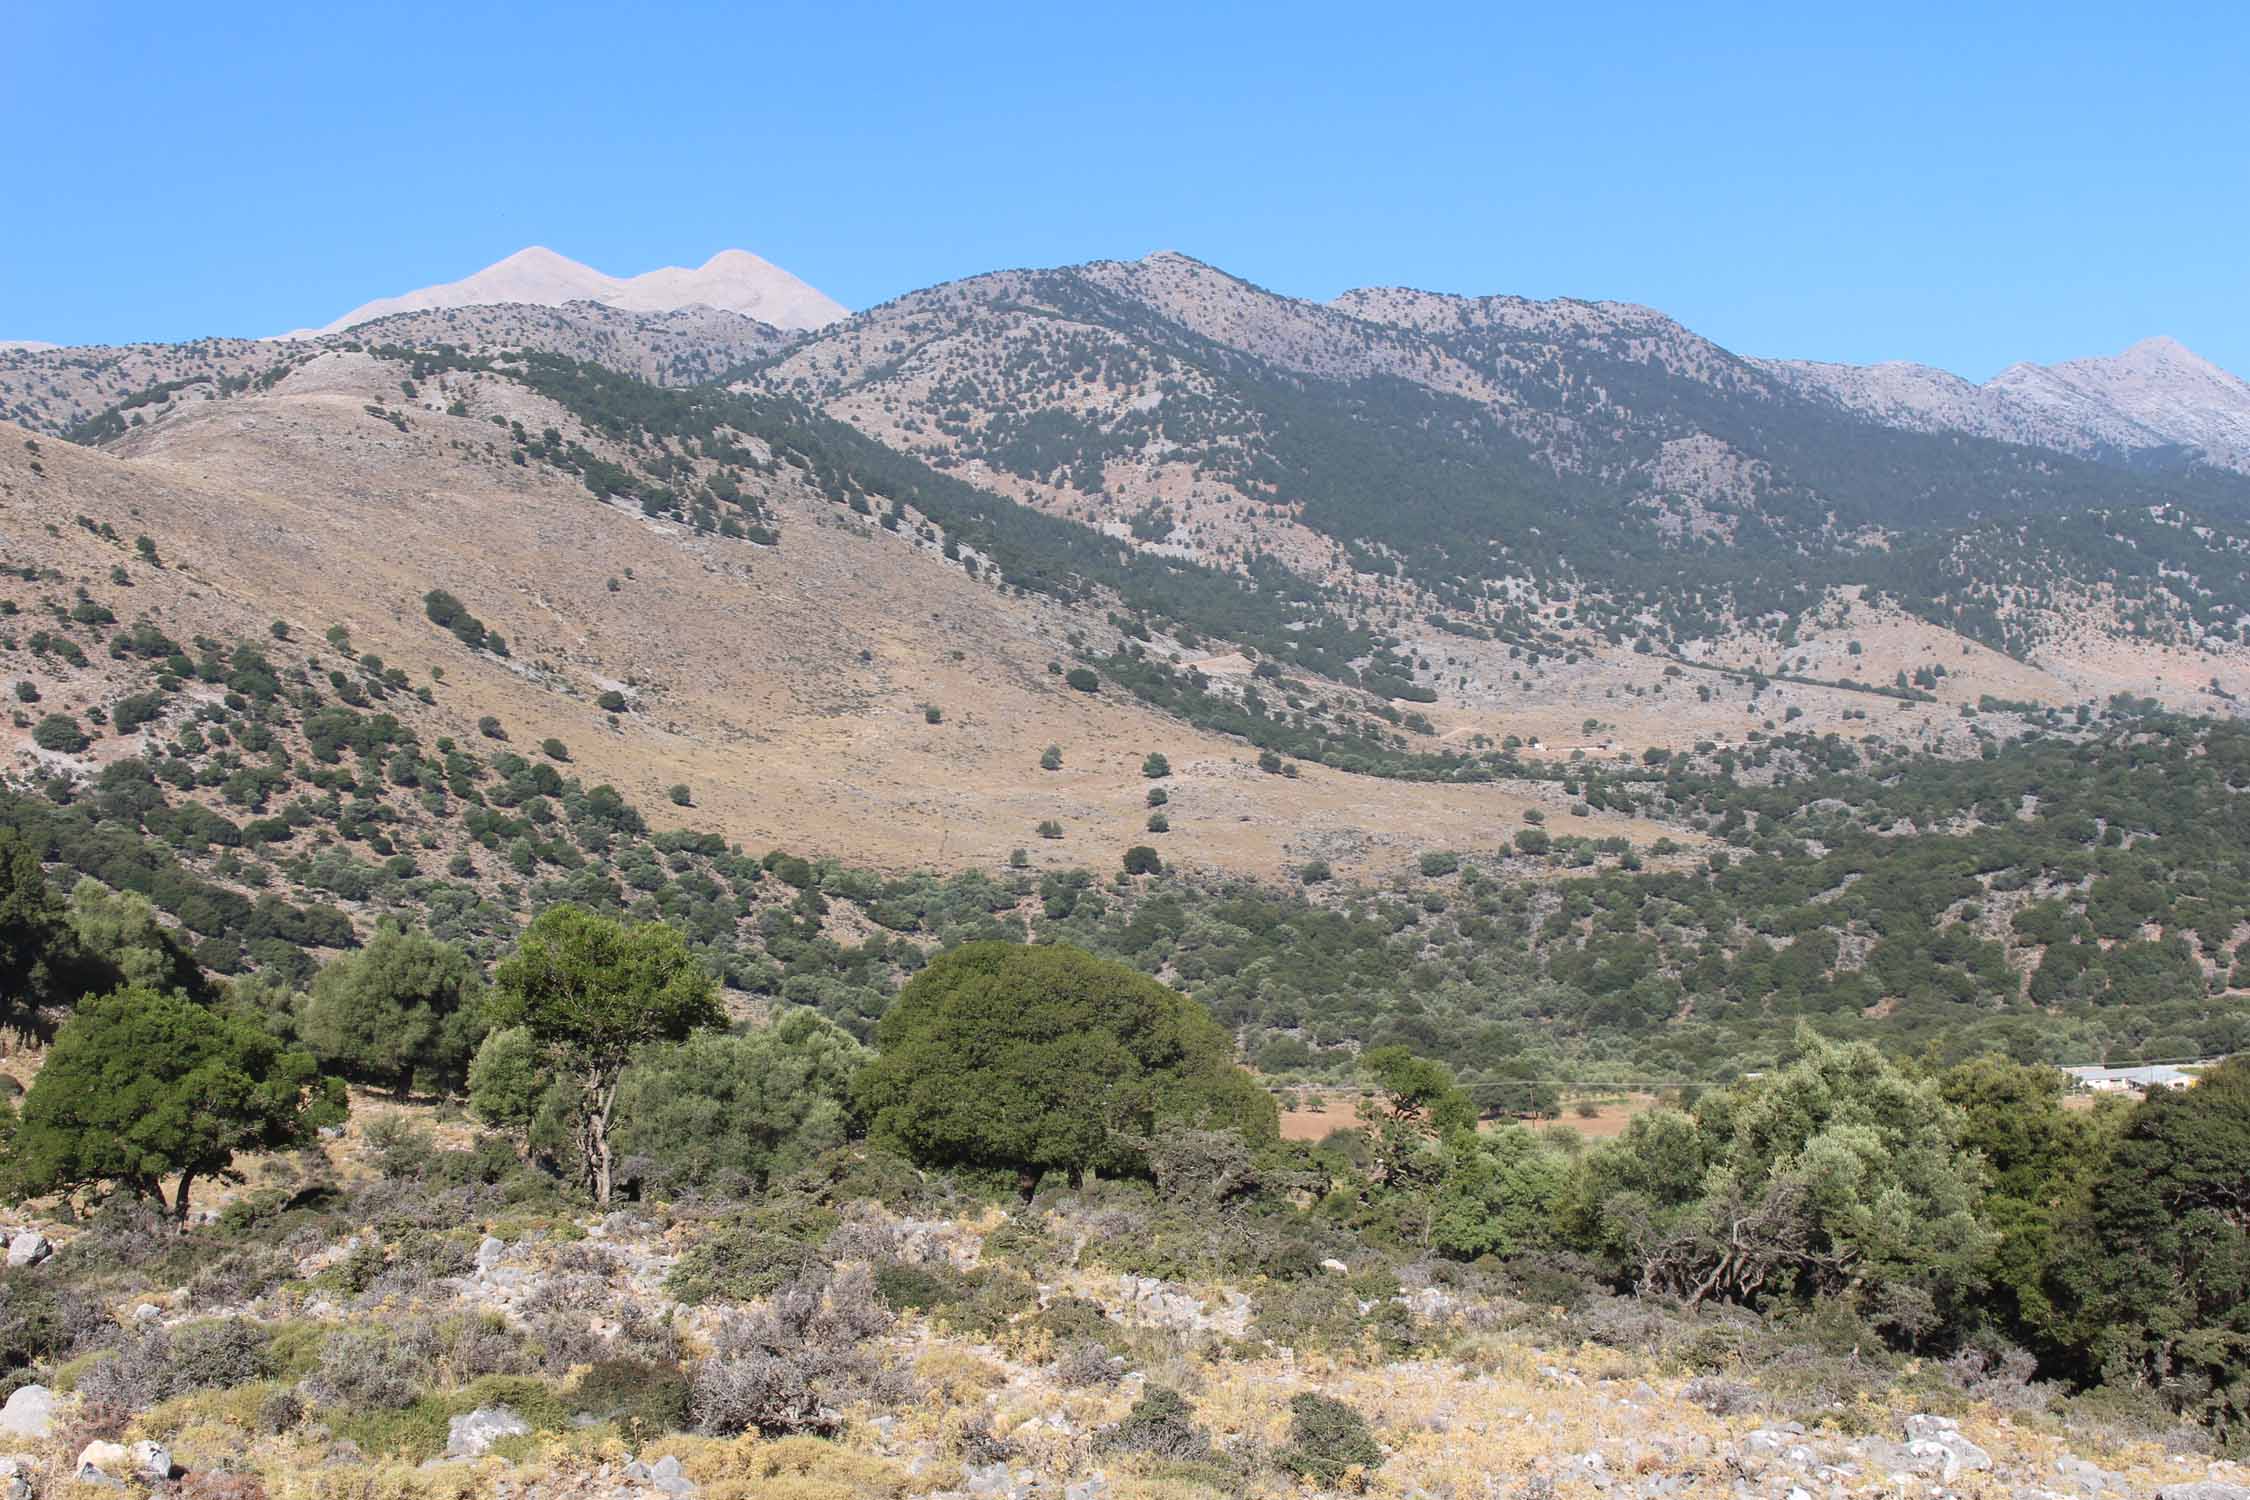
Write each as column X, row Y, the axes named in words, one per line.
column 2158, row 394
column 733, row 281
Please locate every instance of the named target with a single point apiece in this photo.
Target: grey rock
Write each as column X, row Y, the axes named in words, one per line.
column 994, row 1480
column 2081, row 1475
column 472, row 1435
column 30, row 1412
column 1936, row 1443
column 28, row 1248
column 151, row 1460
column 1092, row 1487
column 15, row 1477
column 489, row 1252
column 2202, row 1489
column 97, row 1461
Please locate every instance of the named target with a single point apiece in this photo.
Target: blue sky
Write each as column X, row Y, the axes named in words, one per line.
column 1964, row 185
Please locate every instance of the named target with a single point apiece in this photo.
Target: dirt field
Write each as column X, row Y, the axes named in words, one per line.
column 1340, row 1111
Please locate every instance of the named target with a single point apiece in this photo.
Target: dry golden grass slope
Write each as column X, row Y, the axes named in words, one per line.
column 785, row 686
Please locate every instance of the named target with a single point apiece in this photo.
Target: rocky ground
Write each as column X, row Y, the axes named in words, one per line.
column 416, row 1357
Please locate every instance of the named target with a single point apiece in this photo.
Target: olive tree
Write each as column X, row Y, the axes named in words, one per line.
column 143, row 1084
column 1039, row 1059
column 590, row 991
column 405, row 1010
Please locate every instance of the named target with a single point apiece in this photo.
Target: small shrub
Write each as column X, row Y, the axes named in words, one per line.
column 1327, row 1439
column 554, row 749
column 1156, row 766
column 60, row 733
column 754, row 1392
column 680, row 794
column 644, row 1398
column 366, row 1369
column 1050, row 759
column 1161, row 1425
column 1082, row 679
column 1084, row 1365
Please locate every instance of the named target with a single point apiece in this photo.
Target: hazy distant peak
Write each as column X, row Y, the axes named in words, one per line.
column 732, row 280
column 2156, row 394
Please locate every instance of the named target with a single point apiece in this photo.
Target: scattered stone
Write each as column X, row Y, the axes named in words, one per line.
column 1335, row 1267
column 472, row 1435
column 662, row 1475
column 15, row 1477
column 97, row 1461
column 2081, row 1475
column 1936, row 1442
column 2202, row 1489
column 488, row 1257
column 1161, row 1305
column 28, row 1248
column 151, row 1460
column 30, row 1412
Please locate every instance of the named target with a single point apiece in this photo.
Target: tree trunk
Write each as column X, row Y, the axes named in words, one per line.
column 1027, row 1181
column 180, row 1200
column 601, row 1099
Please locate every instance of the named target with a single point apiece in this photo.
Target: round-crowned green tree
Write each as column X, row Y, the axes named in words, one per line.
column 142, row 1085
column 405, row 1010
column 591, row 990
column 728, row 1112
column 1048, row 1059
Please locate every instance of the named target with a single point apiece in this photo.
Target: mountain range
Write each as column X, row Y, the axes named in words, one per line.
column 1022, row 582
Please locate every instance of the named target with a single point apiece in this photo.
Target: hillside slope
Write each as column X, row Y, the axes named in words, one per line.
column 787, row 686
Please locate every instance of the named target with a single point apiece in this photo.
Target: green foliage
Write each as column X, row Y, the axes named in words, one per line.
column 1327, row 1440
column 404, row 1012
column 2155, row 1265
column 60, row 733
column 1082, row 679
column 1840, row 1176
column 142, row 1085
column 1156, row 766
column 724, row 1114
column 590, row 990
column 1038, row 1059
